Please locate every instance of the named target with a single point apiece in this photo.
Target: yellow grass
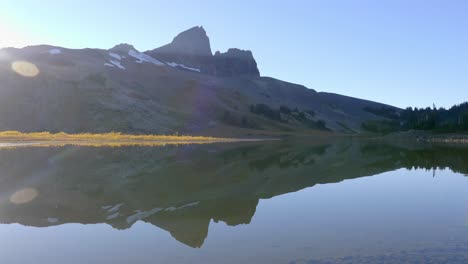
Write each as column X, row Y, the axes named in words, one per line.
column 113, row 136
column 15, row 139
column 97, row 144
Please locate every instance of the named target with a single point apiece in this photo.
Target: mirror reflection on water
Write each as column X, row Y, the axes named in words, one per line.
column 351, row 201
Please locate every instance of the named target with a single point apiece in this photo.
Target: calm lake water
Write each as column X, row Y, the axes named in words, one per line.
column 258, row 202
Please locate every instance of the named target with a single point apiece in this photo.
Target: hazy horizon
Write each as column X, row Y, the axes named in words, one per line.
column 398, row 53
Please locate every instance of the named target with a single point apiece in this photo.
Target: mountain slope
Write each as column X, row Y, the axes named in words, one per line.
column 180, row 87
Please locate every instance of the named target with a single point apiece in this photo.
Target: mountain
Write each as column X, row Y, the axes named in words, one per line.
column 192, row 48
column 192, row 42
column 180, row 87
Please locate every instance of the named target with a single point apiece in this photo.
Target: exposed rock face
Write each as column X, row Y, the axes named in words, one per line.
column 235, row 62
column 192, row 48
column 124, row 48
column 192, row 42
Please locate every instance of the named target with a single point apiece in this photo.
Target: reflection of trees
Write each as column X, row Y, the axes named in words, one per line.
column 421, row 156
column 181, row 189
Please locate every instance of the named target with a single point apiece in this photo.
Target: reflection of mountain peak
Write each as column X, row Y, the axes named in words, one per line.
column 235, row 211
column 188, row 228
column 183, row 189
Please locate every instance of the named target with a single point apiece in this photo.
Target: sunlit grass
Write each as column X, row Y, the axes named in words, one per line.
column 112, row 136
column 16, row 139
column 99, row 144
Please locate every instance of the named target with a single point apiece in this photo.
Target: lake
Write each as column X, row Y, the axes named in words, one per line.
column 344, row 201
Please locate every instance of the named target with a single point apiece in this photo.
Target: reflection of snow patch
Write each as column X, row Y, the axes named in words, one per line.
column 143, row 57
column 188, row 205
column 55, row 51
column 172, row 208
column 142, row 215
column 112, row 216
column 52, row 220
column 115, row 55
column 117, row 63
column 115, row 208
column 175, row 65
column 112, row 210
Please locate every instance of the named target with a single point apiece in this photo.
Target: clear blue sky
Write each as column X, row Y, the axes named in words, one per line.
column 398, row 52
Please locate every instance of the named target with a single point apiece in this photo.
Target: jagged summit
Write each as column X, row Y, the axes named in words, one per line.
column 193, row 42
column 233, row 52
column 123, row 47
column 236, row 62
column 192, row 48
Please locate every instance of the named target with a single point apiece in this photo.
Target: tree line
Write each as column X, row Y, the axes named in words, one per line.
column 454, row 119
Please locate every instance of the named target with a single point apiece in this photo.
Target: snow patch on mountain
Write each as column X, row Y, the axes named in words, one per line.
column 189, row 68
column 141, row 57
column 175, row 65
column 115, row 55
column 117, row 63
column 54, row 51
column 109, row 65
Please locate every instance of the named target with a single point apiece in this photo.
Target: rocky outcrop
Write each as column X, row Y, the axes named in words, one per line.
column 122, row 48
column 192, row 42
column 235, row 62
column 192, row 48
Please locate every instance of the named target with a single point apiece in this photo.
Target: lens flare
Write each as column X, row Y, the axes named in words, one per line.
column 23, row 196
column 25, row 69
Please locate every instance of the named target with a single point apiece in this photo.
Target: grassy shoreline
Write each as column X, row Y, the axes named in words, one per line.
column 14, row 139
column 112, row 136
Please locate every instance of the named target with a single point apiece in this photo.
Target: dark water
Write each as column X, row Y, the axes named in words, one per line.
column 264, row 202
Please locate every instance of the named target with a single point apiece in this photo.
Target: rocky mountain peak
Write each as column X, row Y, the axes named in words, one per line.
column 236, row 62
column 236, row 53
column 192, row 48
column 124, row 48
column 193, row 41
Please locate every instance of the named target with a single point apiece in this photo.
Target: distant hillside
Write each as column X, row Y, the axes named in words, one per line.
column 178, row 88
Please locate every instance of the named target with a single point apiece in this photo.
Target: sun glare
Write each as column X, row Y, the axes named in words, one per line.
column 24, row 68
column 23, row 196
column 8, row 37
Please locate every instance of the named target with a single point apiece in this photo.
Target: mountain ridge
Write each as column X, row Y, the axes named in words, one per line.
column 193, row 48
column 123, row 89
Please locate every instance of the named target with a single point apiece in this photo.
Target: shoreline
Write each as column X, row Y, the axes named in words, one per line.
column 427, row 137
column 20, row 139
